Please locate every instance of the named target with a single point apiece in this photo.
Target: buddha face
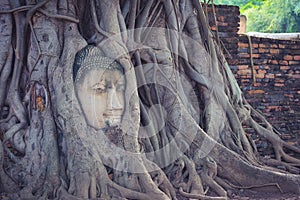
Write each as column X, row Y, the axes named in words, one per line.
column 100, row 93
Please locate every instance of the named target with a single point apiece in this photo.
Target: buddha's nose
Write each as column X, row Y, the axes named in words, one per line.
column 112, row 100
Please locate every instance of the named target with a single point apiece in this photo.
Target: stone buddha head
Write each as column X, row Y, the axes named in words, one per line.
column 100, row 87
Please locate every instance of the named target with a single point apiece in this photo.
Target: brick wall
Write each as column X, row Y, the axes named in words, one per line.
column 276, row 91
column 228, row 26
column 276, row 68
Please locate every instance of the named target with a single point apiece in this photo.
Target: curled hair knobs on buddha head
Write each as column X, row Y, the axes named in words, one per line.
column 90, row 57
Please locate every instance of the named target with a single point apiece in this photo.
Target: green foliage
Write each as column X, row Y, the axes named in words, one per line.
column 273, row 16
column 231, row 2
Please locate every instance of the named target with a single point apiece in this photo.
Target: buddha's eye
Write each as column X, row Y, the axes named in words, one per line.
column 99, row 88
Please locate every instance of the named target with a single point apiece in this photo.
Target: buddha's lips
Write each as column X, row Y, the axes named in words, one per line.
column 113, row 117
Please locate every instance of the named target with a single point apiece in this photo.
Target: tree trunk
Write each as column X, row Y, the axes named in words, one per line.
column 182, row 128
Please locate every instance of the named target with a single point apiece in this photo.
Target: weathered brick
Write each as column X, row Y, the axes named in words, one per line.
column 262, row 71
column 285, row 68
column 260, row 75
column 274, row 62
column 245, row 80
column 264, row 46
column 275, row 108
column 271, row 76
column 288, row 57
column 296, row 76
column 265, row 67
column 274, row 51
column 278, row 84
column 244, row 72
column 243, row 45
column 243, row 67
column 294, row 62
column 282, row 46
column 274, row 46
column 289, row 95
column 262, row 50
column 251, row 92
column 283, row 62
column 296, row 57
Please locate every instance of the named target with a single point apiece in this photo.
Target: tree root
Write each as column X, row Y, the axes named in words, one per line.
column 276, row 142
column 257, row 186
column 130, row 194
column 208, row 173
column 28, row 7
column 163, row 183
column 199, row 196
column 278, row 163
column 246, row 174
column 63, row 17
column 6, row 183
